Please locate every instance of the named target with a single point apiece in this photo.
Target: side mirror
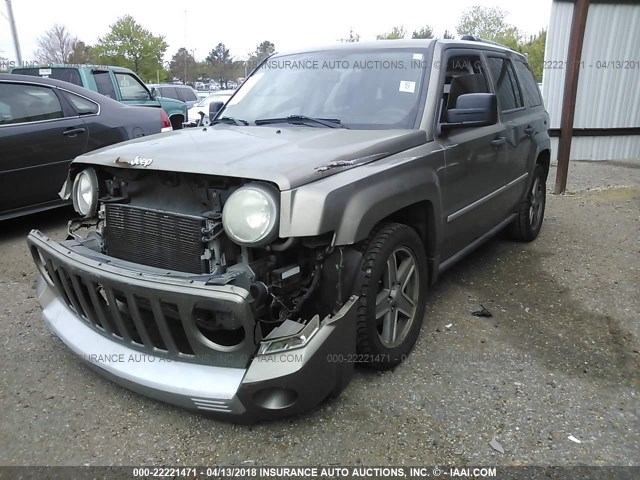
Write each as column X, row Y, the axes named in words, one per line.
column 214, row 108
column 473, row 110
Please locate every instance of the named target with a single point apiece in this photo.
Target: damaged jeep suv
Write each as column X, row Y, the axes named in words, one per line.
column 242, row 268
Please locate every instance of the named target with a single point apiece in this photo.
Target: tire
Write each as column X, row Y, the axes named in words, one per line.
column 391, row 306
column 527, row 225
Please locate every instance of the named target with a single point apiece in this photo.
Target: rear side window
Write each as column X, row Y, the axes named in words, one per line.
column 70, row 75
column 28, row 103
column 104, row 84
column 505, row 83
column 530, row 88
column 82, row 105
column 168, row 92
column 186, row 95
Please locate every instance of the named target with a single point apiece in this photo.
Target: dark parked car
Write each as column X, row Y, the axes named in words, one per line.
column 254, row 261
column 45, row 124
column 118, row 83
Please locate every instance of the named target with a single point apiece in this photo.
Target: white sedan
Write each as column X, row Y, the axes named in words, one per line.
column 203, row 105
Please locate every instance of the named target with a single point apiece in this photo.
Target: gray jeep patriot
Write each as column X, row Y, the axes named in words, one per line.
column 242, row 268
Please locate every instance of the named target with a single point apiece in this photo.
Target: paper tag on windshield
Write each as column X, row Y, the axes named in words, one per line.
column 409, row 87
column 44, row 71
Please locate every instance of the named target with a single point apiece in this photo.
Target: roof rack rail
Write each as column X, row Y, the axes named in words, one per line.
column 473, row 38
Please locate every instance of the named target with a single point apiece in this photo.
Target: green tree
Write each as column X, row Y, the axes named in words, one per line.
column 221, row 66
column 424, row 32
column 448, row 35
column 183, row 66
column 534, row 50
column 81, row 54
column 396, row 33
column 488, row 23
column 262, row 51
column 129, row 44
column 55, row 45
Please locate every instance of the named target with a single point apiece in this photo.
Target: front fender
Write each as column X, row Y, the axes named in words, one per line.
column 352, row 202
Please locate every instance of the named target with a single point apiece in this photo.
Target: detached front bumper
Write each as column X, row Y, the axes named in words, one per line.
column 82, row 297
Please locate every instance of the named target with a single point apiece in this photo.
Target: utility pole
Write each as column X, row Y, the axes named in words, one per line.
column 14, row 33
column 186, row 52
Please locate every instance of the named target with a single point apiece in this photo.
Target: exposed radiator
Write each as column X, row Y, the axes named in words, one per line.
column 158, row 239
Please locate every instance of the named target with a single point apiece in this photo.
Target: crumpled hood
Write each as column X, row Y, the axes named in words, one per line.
column 288, row 156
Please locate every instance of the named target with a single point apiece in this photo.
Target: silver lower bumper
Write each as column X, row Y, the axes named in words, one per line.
column 270, row 386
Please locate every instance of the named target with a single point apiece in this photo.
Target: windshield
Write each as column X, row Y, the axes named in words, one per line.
column 363, row 89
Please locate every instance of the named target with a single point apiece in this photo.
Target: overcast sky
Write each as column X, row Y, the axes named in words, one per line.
column 290, row 24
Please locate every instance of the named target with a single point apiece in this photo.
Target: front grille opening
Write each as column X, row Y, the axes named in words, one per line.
column 70, row 294
column 172, row 314
column 101, row 302
column 218, row 327
column 55, row 275
column 82, row 292
column 149, row 322
column 122, row 306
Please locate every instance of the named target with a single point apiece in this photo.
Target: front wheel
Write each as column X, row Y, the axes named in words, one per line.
column 526, row 226
column 392, row 295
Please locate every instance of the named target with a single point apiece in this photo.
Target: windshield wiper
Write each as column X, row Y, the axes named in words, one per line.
column 300, row 119
column 230, row 121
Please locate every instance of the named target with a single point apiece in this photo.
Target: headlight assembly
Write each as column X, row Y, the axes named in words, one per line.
column 250, row 216
column 85, row 193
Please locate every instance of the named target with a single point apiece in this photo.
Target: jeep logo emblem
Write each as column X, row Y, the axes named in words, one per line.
column 137, row 161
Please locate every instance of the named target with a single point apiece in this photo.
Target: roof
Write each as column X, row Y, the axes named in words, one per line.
column 398, row 44
column 71, row 87
column 82, row 66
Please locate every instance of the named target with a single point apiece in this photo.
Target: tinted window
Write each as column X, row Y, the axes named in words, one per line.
column 186, row 94
column 464, row 74
column 82, row 105
column 131, row 88
column 28, row 103
column 529, row 85
column 169, row 92
column 504, row 81
column 104, row 84
column 70, row 75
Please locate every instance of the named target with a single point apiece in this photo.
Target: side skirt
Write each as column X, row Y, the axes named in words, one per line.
column 476, row 243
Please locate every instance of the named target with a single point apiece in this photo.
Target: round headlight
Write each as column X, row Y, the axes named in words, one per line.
column 85, row 193
column 250, row 215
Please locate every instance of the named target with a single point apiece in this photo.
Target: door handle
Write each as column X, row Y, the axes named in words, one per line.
column 498, row 141
column 529, row 130
column 72, row 132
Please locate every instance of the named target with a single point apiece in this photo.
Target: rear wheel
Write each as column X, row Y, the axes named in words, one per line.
column 392, row 295
column 528, row 223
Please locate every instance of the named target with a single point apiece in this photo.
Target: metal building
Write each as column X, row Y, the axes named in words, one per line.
column 593, row 55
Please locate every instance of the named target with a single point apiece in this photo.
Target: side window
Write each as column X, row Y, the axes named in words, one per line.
column 28, row 103
column 82, row 105
column 187, row 95
column 131, row 88
column 529, row 86
column 169, row 92
column 504, row 81
column 464, row 74
column 104, row 84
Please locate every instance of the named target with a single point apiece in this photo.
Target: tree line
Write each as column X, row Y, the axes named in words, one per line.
column 129, row 44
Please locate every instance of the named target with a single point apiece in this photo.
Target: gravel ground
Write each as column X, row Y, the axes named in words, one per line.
column 558, row 358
